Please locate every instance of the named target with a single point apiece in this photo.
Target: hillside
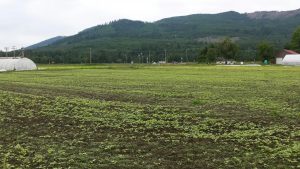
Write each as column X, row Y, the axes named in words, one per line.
column 274, row 14
column 124, row 40
column 46, row 42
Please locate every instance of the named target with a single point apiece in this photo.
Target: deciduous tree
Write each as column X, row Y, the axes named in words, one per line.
column 295, row 42
column 228, row 49
column 265, row 51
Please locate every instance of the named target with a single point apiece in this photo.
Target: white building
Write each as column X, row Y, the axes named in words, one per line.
column 16, row 64
column 291, row 60
column 281, row 55
column 162, row 62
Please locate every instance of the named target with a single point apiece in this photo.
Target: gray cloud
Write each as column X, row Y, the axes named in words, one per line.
column 25, row 22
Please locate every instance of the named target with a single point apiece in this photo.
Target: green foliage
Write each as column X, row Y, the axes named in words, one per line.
column 124, row 40
column 266, row 51
column 228, row 49
column 209, row 54
column 124, row 116
column 295, row 42
column 203, row 52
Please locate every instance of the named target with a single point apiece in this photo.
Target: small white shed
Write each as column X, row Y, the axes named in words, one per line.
column 291, row 60
column 16, row 63
column 279, row 61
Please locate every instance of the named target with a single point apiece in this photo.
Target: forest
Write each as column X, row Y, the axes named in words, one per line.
column 176, row 39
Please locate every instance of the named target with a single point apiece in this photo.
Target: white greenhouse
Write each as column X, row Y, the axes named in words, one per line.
column 16, row 63
column 291, row 60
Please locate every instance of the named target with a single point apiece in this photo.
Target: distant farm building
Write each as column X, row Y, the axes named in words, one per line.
column 162, row 62
column 280, row 56
column 223, row 61
column 291, row 60
column 16, row 64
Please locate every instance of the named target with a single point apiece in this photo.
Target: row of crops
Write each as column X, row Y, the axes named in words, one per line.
column 150, row 117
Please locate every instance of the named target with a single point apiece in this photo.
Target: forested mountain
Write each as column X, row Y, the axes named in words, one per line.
column 177, row 37
column 46, row 42
column 273, row 14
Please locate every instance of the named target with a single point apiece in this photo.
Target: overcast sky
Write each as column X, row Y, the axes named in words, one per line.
column 25, row 22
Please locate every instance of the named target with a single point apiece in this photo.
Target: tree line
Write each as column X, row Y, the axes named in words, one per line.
column 228, row 50
column 178, row 51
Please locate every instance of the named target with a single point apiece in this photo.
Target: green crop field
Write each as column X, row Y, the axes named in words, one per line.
column 123, row 116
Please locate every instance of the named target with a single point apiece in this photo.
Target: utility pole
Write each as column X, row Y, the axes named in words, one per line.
column 254, row 54
column 90, row 55
column 23, row 53
column 186, row 55
column 142, row 58
column 139, row 57
column 14, row 49
column 6, row 50
column 165, row 55
column 149, row 57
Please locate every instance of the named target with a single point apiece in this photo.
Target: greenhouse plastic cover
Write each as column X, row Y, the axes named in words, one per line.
column 291, row 60
column 17, row 63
